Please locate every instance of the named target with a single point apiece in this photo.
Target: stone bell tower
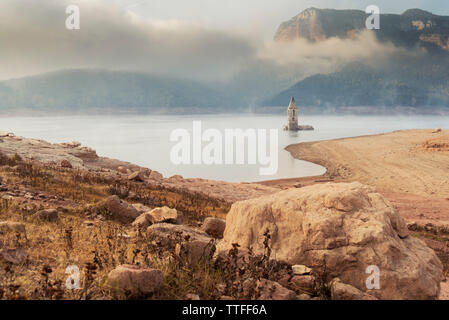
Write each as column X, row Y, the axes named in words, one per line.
column 292, row 112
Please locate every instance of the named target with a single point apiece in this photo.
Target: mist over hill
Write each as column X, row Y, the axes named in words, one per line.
column 419, row 79
column 84, row 91
column 414, row 83
column 325, row 58
column 413, row 27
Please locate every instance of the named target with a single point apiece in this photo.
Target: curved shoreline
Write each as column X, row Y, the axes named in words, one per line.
column 413, row 177
column 392, row 162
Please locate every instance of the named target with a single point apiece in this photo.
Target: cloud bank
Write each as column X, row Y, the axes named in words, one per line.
column 34, row 39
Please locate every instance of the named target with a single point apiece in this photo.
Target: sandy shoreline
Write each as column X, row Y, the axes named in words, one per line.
column 411, row 172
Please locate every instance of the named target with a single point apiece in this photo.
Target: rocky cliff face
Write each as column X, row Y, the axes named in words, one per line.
column 413, row 27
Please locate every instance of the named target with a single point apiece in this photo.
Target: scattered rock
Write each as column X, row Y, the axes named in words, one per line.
column 437, row 130
column 73, row 144
column 270, row 290
column 134, row 280
column 137, row 176
column 346, row 227
column 284, row 280
column 429, row 227
column 412, row 226
column 154, row 175
column 221, row 288
column 191, row 296
column 6, row 134
column 303, row 283
column 165, row 215
column 175, row 178
column 123, row 170
column 120, row 210
column 300, row 269
column 66, row 164
column 303, row 296
column 197, row 245
column 84, row 153
column 437, row 144
column 141, row 208
column 214, row 227
column 14, row 255
column 89, row 223
column 47, row 215
column 124, row 236
column 342, row 291
column 10, row 226
column 142, row 221
column 132, row 196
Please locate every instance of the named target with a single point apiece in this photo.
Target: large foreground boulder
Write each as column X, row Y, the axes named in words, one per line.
column 342, row 229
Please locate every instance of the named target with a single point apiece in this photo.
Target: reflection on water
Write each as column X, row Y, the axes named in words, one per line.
column 144, row 140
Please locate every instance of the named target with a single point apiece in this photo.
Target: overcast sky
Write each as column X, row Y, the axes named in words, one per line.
column 197, row 39
column 261, row 17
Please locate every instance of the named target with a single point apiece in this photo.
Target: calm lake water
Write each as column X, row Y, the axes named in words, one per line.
column 144, row 140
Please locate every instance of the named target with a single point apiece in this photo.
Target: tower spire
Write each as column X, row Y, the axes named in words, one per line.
column 292, row 103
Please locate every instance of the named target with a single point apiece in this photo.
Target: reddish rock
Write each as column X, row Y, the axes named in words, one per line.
column 66, row 164
column 11, row 226
column 165, row 215
column 13, row 255
column 134, row 280
column 120, row 210
column 47, row 215
column 138, row 176
column 270, row 290
column 214, row 227
column 154, row 175
column 303, row 283
column 343, row 291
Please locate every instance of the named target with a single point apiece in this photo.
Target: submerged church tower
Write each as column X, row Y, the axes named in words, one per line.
column 292, row 112
column 292, row 115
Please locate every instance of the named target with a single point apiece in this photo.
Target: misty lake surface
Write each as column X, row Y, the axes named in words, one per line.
column 145, row 140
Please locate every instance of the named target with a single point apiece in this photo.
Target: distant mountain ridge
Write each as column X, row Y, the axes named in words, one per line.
column 411, row 28
column 358, row 85
column 84, row 90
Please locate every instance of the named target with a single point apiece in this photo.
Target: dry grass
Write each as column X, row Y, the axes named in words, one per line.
column 100, row 246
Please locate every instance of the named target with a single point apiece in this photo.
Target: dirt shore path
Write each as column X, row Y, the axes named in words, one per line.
column 411, row 168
